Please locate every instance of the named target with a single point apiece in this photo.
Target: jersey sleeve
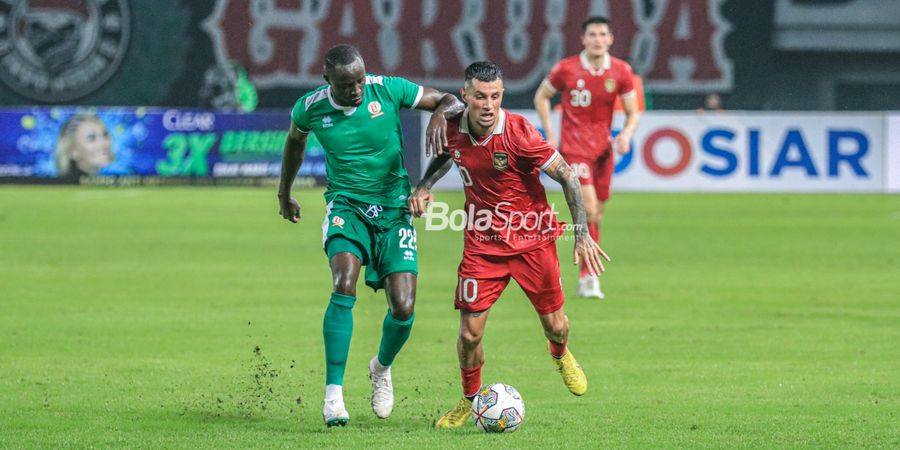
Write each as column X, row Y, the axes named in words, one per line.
column 556, row 78
column 406, row 93
column 533, row 150
column 300, row 116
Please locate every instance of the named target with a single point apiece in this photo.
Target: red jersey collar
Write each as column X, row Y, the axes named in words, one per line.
column 498, row 127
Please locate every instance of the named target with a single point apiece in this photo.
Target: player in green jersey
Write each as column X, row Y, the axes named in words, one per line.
column 356, row 119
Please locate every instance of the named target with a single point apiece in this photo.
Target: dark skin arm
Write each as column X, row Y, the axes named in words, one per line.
column 422, row 195
column 443, row 106
column 294, row 150
column 585, row 248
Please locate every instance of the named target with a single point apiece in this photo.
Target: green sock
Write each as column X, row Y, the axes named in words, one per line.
column 337, row 328
column 394, row 334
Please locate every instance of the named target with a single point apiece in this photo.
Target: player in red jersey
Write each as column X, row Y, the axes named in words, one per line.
column 589, row 83
column 511, row 231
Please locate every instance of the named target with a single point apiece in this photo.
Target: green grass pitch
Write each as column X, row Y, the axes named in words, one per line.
column 191, row 317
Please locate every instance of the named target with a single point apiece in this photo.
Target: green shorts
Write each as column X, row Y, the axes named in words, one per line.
column 383, row 238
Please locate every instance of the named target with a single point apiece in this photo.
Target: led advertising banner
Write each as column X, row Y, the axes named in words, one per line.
column 746, row 152
column 892, row 165
column 147, row 146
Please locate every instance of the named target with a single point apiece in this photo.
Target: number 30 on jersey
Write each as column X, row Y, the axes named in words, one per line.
column 580, row 98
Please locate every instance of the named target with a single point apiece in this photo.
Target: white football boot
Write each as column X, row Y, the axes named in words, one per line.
column 334, row 413
column 382, row 389
column 589, row 287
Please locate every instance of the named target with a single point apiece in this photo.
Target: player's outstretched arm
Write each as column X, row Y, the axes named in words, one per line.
column 422, row 195
column 294, row 150
column 443, row 106
column 542, row 106
column 586, row 249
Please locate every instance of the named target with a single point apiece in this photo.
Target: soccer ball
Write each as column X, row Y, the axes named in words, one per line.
column 498, row 408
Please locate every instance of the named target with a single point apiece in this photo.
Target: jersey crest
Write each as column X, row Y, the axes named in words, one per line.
column 610, row 85
column 375, row 109
column 501, row 160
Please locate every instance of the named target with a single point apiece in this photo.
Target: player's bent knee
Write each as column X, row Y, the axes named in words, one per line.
column 469, row 338
column 403, row 310
column 401, row 292
column 345, row 285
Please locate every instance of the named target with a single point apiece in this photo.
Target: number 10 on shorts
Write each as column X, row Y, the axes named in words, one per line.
column 467, row 289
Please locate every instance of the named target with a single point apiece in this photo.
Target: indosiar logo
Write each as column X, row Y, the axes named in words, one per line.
column 55, row 51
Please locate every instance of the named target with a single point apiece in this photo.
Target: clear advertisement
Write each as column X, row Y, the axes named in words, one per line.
column 147, row 146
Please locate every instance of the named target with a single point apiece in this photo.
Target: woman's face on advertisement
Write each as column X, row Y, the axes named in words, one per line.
column 93, row 147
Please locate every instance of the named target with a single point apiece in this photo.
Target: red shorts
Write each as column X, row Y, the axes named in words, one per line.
column 594, row 171
column 482, row 278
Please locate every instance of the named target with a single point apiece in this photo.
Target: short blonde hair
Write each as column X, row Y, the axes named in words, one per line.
column 67, row 140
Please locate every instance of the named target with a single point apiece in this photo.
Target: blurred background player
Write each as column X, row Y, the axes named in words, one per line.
column 712, row 102
column 367, row 222
column 500, row 156
column 589, row 83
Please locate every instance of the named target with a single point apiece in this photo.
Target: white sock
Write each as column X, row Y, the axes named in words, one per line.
column 378, row 367
column 334, row 392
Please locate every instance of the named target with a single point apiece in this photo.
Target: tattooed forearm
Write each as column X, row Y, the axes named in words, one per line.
column 437, row 168
column 565, row 176
column 451, row 107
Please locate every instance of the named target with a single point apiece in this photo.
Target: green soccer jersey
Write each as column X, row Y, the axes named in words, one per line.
column 363, row 145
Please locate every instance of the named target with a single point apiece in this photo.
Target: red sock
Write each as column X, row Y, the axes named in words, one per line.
column 471, row 380
column 557, row 349
column 594, row 230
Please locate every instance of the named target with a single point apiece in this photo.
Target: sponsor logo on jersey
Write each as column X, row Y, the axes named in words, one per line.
column 579, row 84
column 375, row 109
column 456, row 154
column 610, row 85
column 327, row 122
column 337, row 222
column 56, row 51
column 501, row 160
column 408, row 255
column 373, row 211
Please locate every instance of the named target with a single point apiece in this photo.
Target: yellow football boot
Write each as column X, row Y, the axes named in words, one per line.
column 572, row 373
column 456, row 417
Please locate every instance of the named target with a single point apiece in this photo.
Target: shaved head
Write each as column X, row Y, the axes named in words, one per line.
column 342, row 56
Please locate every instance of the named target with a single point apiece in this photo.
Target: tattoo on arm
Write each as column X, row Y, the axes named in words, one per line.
column 441, row 102
column 437, row 168
column 452, row 106
column 565, row 176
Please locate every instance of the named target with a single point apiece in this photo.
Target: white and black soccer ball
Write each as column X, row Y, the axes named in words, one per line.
column 498, row 408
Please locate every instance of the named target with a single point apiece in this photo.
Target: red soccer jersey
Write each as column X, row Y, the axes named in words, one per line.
column 506, row 206
column 588, row 96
